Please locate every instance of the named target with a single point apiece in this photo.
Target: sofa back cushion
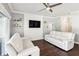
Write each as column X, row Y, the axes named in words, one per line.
column 63, row 35
column 67, row 35
column 16, row 42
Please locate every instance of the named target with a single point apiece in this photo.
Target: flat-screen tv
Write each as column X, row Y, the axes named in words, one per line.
column 34, row 24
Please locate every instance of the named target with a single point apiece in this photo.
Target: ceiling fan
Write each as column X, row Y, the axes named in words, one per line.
column 49, row 7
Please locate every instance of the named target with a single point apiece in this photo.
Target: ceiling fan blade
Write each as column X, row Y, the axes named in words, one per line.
column 42, row 9
column 48, row 4
column 50, row 10
column 45, row 4
column 55, row 5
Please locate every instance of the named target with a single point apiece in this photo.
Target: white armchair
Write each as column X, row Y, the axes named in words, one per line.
column 18, row 46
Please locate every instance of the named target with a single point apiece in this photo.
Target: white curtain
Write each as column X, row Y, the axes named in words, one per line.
column 4, row 32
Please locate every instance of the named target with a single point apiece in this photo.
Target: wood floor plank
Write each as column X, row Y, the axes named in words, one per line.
column 47, row 49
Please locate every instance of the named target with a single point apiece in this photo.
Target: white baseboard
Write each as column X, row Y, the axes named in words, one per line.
column 37, row 39
column 76, row 42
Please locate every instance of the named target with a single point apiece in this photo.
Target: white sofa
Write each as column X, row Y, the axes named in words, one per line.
column 18, row 46
column 63, row 40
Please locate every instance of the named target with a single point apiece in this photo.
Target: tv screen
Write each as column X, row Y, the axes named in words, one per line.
column 34, row 24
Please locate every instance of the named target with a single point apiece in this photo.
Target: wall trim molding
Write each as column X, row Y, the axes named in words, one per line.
column 4, row 11
column 76, row 42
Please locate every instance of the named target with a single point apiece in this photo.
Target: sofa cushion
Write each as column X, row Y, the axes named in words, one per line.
column 27, row 44
column 62, row 35
column 33, row 51
column 16, row 42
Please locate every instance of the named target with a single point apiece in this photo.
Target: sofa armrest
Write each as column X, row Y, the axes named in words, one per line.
column 27, row 43
column 73, row 36
column 33, row 51
column 10, row 50
column 49, row 36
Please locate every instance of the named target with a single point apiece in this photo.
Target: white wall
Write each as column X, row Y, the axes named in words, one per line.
column 57, row 24
column 47, row 26
column 75, row 26
column 33, row 33
column 52, row 23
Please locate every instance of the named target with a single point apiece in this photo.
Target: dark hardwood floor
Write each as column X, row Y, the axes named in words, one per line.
column 47, row 49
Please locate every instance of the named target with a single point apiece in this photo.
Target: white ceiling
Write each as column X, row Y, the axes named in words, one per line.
column 63, row 9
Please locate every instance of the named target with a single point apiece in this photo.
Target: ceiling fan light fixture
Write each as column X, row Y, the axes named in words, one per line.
column 48, row 8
